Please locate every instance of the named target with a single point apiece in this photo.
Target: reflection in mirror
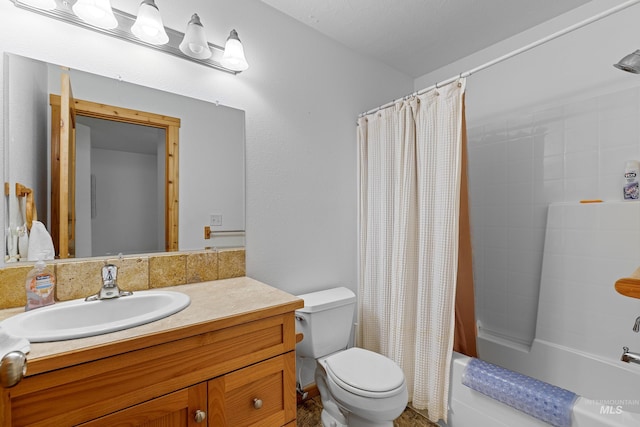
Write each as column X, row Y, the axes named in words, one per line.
column 211, row 158
column 129, row 183
column 112, row 155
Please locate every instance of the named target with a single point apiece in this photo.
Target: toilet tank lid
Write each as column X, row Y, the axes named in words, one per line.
column 324, row 300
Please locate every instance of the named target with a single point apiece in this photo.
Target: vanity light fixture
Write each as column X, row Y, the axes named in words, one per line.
column 195, row 43
column 630, row 63
column 148, row 26
column 96, row 12
column 192, row 46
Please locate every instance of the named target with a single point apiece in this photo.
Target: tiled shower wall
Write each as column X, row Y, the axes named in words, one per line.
column 520, row 162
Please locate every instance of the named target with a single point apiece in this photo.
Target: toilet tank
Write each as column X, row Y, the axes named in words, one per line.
column 325, row 321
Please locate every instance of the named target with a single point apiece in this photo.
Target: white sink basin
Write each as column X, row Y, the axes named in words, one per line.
column 80, row 318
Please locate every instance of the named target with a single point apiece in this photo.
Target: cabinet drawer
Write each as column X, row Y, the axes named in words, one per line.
column 259, row 395
column 177, row 409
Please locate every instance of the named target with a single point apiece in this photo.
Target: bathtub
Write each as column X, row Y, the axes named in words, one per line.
column 468, row 408
column 582, row 324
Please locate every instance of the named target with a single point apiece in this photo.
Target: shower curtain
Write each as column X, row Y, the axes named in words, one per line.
column 410, row 160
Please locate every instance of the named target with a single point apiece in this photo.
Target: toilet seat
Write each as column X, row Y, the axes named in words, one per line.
column 365, row 373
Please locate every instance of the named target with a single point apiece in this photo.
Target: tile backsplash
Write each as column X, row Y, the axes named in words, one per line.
column 81, row 278
column 519, row 163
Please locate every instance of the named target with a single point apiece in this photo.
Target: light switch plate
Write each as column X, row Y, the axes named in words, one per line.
column 216, row 220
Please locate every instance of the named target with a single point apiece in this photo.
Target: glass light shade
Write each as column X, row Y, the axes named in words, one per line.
column 148, row 26
column 96, row 12
column 233, row 57
column 630, row 63
column 40, row 4
column 194, row 43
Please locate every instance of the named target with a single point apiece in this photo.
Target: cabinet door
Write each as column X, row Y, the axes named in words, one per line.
column 183, row 408
column 263, row 394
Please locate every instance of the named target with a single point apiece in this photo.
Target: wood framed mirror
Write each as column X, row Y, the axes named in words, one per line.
column 211, row 145
column 64, row 111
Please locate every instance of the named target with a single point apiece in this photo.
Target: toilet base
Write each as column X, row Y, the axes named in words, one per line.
column 355, row 421
column 329, row 421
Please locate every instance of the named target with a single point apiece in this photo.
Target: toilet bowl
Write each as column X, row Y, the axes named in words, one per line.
column 368, row 387
column 357, row 387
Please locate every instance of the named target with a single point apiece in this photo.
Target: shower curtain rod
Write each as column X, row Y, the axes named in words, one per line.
column 511, row 54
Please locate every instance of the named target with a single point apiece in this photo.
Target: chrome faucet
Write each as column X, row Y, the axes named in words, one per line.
column 110, row 287
column 628, row 356
column 636, row 326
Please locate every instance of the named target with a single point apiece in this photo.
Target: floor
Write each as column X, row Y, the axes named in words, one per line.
column 309, row 416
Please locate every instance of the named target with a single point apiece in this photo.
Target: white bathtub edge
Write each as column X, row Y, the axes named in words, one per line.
column 469, row 408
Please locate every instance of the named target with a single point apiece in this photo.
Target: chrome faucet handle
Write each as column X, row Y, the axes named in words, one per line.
column 630, row 357
column 636, row 326
column 109, row 289
column 625, row 354
column 109, row 274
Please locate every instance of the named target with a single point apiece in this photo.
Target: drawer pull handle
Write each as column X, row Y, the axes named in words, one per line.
column 257, row 403
column 200, row 416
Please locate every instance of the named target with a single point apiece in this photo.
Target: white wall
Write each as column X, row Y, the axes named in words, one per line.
column 27, row 107
column 126, row 186
column 83, row 191
column 160, row 183
column 554, row 124
column 301, row 95
column 565, row 67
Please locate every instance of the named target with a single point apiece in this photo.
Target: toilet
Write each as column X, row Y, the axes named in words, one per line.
column 358, row 387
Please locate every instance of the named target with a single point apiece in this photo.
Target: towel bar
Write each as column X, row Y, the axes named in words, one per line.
column 32, row 214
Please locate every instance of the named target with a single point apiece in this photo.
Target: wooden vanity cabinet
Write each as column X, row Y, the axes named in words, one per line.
column 242, row 375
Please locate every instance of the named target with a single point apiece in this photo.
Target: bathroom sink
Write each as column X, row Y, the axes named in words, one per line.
column 80, row 318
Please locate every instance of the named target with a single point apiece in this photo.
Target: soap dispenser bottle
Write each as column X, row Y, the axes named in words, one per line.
column 40, row 286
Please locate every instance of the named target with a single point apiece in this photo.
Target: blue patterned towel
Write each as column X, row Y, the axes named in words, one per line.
column 542, row 400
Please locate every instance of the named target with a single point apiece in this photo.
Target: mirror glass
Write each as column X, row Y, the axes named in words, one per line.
column 111, row 156
column 211, row 164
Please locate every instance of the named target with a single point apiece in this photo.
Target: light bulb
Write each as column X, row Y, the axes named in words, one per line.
column 194, row 43
column 96, row 12
column 148, row 26
column 233, row 57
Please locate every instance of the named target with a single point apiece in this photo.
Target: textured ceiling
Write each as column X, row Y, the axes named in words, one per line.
column 419, row 36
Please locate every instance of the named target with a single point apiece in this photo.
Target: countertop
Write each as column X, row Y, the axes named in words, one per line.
column 214, row 305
